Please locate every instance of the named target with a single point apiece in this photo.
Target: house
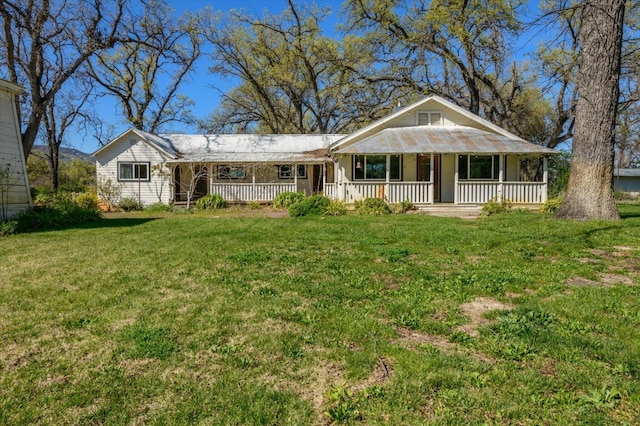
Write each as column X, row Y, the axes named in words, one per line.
column 170, row 168
column 429, row 152
column 15, row 195
column 627, row 180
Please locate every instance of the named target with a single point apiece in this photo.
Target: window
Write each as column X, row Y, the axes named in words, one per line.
column 374, row 167
column 133, row 171
column 286, row 171
column 429, row 118
column 478, row 167
column 231, row 172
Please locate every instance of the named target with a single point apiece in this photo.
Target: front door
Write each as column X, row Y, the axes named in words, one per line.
column 424, row 172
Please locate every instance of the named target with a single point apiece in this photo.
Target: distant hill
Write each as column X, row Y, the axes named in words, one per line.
column 66, row 154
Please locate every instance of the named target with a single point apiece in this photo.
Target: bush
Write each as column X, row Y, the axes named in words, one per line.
column 130, row 204
column 58, row 211
column 87, row 200
column 552, row 205
column 8, row 227
column 254, row 205
column 402, row 207
column 316, row 205
column 284, row 200
column 494, row 206
column 372, row 207
column 336, row 208
column 211, row 201
column 158, row 207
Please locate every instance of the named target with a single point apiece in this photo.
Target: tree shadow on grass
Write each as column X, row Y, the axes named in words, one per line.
column 629, row 214
column 123, row 222
column 96, row 224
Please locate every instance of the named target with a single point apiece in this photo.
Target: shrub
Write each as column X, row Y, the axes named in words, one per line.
column 315, row 205
column 211, row 201
column 158, row 207
column 130, row 204
column 109, row 192
column 284, row 200
column 495, row 206
column 58, row 210
column 402, row 207
column 8, row 227
column 254, row 205
column 372, row 207
column 87, row 200
column 552, row 205
column 336, row 208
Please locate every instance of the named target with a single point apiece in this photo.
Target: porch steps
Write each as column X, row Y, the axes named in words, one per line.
column 450, row 210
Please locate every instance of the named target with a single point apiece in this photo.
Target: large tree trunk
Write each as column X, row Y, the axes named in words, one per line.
column 590, row 190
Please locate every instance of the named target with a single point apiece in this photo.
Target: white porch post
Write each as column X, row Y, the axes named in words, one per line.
column 295, row 177
column 501, row 178
column 432, row 175
column 545, row 177
column 324, row 177
column 210, row 177
column 456, row 194
column 341, row 176
column 253, row 182
column 387, row 179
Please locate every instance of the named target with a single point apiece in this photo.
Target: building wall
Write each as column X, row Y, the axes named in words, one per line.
column 15, row 193
column 130, row 149
column 450, row 118
column 627, row 184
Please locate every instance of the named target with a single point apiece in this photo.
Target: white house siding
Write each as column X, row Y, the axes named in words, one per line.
column 511, row 165
column 133, row 150
column 12, row 160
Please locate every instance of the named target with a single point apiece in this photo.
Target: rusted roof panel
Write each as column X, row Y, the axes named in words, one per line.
column 248, row 148
column 441, row 140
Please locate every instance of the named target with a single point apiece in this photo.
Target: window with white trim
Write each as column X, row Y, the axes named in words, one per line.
column 231, row 172
column 429, row 118
column 131, row 171
column 481, row 167
column 285, row 171
column 374, row 167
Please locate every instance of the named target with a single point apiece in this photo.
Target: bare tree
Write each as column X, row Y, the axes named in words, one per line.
column 61, row 112
column 146, row 71
column 590, row 190
column 45, row 42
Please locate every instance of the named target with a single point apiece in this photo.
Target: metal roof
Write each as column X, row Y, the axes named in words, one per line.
column 441, row 140
column 251, row 148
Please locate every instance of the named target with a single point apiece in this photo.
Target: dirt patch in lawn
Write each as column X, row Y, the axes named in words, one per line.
column 604, row 280
column 413, row 339
column 476, row 309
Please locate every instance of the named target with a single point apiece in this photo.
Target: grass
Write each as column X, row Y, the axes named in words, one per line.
column 227, row 318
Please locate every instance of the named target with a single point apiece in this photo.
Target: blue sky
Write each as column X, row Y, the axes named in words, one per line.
column 204, row 88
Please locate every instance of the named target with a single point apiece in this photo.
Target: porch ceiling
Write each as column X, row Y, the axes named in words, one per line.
column 441, row 140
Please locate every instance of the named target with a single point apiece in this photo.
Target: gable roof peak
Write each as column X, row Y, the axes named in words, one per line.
column 384, row 122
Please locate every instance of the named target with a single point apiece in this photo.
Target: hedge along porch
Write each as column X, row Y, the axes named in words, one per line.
column 434, row 151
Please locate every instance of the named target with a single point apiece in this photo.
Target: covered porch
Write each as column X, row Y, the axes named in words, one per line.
column 246, row 182
column 431, row 165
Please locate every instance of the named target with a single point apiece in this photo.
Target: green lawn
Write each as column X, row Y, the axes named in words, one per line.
column 242, row 319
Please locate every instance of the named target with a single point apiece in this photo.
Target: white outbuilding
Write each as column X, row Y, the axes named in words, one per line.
column 15, row 195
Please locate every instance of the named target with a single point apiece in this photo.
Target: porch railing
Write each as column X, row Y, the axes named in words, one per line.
column 393, row 192
column 475, row 192
column 516, row 192
column 251, row 191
